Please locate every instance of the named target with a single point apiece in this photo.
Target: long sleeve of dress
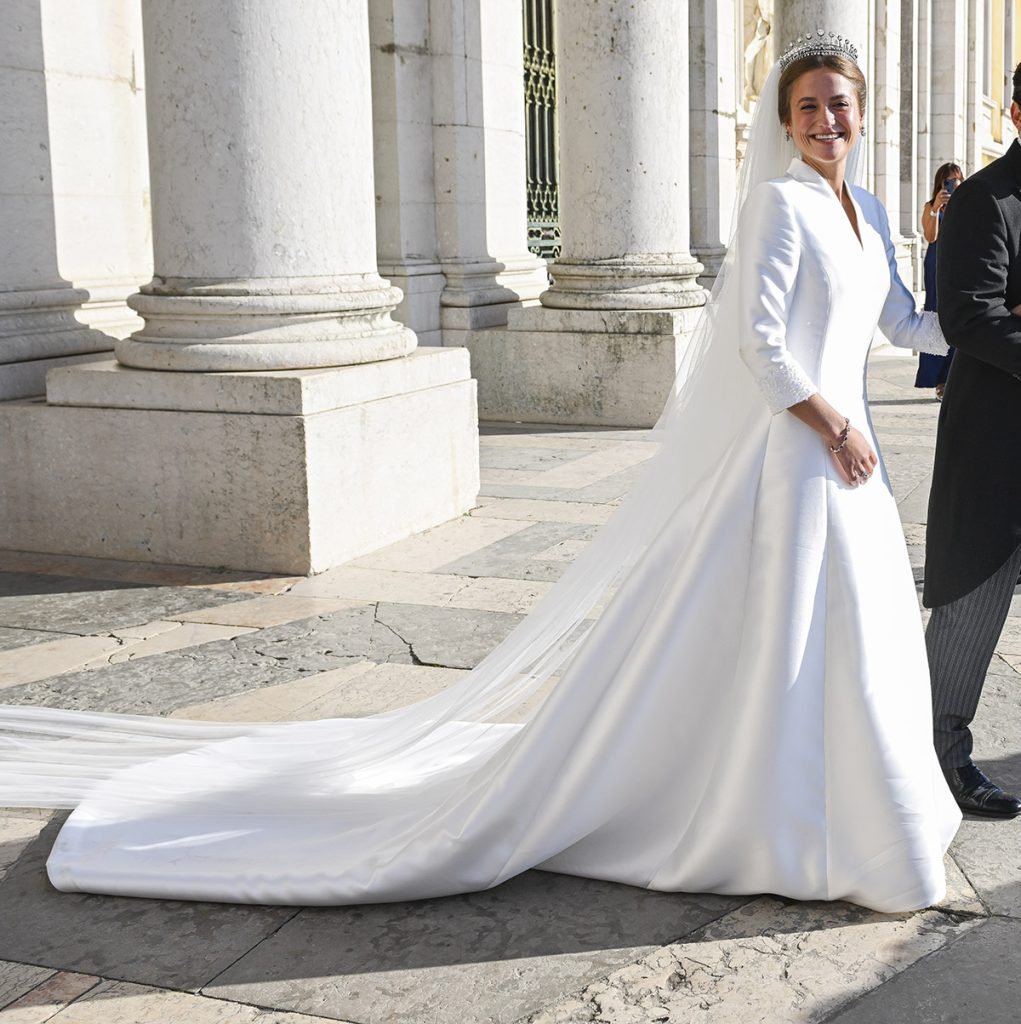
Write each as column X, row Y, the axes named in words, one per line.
column 767, row 266
column 900, row 322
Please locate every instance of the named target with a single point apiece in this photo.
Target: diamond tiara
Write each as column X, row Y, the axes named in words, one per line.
column 819, row 42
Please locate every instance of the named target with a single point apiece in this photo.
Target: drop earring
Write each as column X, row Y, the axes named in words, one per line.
column 787, row 132
column 862, row 129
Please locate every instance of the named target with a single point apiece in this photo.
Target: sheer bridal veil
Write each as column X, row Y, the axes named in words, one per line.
column 56, row 758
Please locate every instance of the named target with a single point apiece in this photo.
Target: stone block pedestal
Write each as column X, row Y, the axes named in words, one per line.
column 288, row 471
column 584, row 367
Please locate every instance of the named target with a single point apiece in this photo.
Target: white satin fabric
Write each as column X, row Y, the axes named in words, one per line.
column 750, row 713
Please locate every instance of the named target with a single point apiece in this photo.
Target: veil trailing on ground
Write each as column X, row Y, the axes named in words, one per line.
column 381, row 765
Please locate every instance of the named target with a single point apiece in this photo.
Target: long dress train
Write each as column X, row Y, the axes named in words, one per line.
column 750, row 713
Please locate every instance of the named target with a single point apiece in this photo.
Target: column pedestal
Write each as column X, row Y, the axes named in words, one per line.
column 270, row 415
column 478, row 137
column 604, row 346
column 291, row 472
column 580, row 366
column 39, row 331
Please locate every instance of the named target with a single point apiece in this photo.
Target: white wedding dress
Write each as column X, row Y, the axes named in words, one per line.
column 750, row 713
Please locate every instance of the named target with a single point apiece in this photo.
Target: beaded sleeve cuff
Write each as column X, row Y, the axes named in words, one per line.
column 928, row 337
column 785, row 384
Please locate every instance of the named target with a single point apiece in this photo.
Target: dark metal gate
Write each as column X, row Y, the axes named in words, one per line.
column 541, row 128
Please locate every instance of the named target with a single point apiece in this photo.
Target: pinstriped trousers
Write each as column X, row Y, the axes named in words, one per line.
column 961, row 639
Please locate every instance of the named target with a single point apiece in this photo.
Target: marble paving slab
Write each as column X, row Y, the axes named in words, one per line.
column 972, row 980
column 542, row 511
column 522, row 555
column 989, row 851
column 70, row 604
column 147, row 573
column 17, row 979
column 62, row 653
column 488, row 957
column 429, row 551
column 162, row 682
column 49, row 998
column 269, row 610
column 528, row 458
column 446, row 637
column 608, row 489
column 171, row 944
column 446, row 590
column 119, row 1002
column 13, row 638
column 556, row 435
column 361, row 689
column 769, row 962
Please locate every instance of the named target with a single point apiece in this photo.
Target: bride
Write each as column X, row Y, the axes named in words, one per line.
column 749, row 713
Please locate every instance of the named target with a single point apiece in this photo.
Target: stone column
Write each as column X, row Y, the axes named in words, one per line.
column 924, row 167
column 263, row 209
column 977, row 121
column 40, row 309
column 948, row 84
column 884, row 123
column 624, row 213
column 605, row 344
column 260, row 147
column 713, row 84
column 1010, row 61
column 911, row 139
column 479, row 164
column 402, row 123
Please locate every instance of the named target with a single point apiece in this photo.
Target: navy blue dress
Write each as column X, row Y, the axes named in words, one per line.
column 932, row 370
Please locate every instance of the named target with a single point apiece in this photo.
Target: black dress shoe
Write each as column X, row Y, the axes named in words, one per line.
column 977, row 794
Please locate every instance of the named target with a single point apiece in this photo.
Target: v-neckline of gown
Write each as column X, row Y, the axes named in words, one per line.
column 808, row 174
column 854, row 225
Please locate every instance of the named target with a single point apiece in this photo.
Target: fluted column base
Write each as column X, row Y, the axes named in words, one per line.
column 712, row 259
column 641, row 282
column 481, row 293
column 40, row 330
column 259, row 325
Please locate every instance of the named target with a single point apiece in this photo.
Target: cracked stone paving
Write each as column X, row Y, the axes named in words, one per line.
column 396, row 626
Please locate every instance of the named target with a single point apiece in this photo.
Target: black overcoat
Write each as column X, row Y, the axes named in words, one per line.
column 975, row 501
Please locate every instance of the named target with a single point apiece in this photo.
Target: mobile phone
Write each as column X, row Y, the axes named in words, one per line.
column 950, row 184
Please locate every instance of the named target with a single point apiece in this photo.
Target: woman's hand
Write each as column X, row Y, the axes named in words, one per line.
column 856, row 460
column 941, row 200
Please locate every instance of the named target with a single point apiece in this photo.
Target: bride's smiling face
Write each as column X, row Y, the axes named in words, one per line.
column 825, row 119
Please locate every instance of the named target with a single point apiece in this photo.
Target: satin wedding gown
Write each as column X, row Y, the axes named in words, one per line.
column 749, row 714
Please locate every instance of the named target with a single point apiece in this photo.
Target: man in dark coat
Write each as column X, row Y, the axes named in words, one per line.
column 973, row 543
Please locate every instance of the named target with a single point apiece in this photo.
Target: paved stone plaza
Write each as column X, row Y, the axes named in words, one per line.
column 393, row 627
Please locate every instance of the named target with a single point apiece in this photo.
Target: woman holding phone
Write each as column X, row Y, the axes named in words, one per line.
column 932, row 370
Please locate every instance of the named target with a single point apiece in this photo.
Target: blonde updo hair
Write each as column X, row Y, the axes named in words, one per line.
column 811, row 62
